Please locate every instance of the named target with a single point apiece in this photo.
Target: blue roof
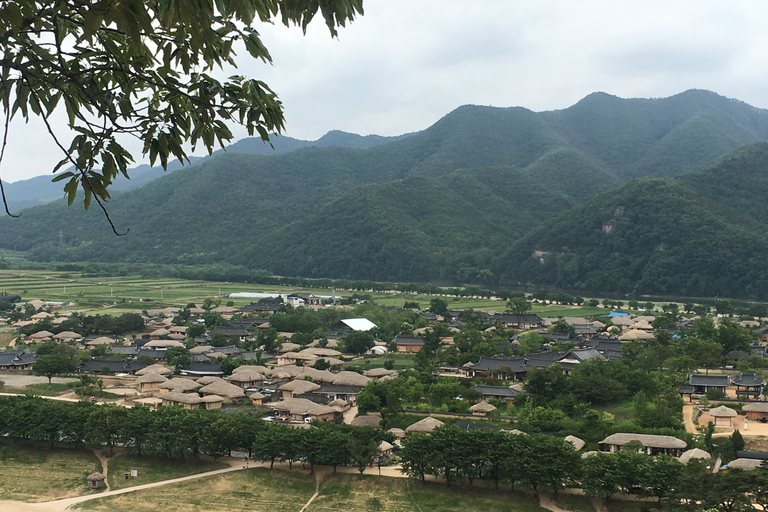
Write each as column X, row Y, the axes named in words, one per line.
column 614, row 314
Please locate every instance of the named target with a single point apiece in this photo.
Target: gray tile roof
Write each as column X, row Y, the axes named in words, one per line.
column 709, row 380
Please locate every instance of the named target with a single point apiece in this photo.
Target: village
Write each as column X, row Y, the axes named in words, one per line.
column 231, row 359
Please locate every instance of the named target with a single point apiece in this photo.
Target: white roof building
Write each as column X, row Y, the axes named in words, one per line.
column 359, row 324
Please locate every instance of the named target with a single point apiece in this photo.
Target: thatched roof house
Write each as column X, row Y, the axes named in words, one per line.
column 208, row 379
column 696, row 453
column 723, row 416
column 178, row 384
column 366, row 421
column 654, row 444
column 150, row 382
column 301, row 409
column 482, row 408
column 155, row 368
column 347, row 378
column 96, row 481
column 397, row 432
column 160, row 344
column 223, row 389
column 192, row 400
column 375, row 373
column 577, row 443
column 745, row 464
column 297, row 387
column 246, row 378
column 756, row 411
column 101, row 340
column 428, row 424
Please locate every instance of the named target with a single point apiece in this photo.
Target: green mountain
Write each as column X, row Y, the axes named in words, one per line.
column 699, row 234
column 462, row 201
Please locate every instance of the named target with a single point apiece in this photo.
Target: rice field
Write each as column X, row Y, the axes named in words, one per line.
column 122, row 294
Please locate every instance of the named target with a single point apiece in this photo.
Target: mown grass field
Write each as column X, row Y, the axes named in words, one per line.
column 41, row 475
column 249, row 490
column 152, row 469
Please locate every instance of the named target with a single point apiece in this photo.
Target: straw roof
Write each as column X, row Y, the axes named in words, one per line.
column 298, row 357
column 208, row 379
column 320, row 352
column 183, row 398
column 222, row 388
column 333, row 361
column 151, row 377
column 164, row 344
column 40, row 335
column 587, row 454
column 377, row 372
column 201, row 349
column 338, row 402
column 177, row 336
column 319, row 375
column 179, row 384
column 756, row 407
column 299, row 387
column 577, row 443
column 300, row 406
column 366, row 421
column 483, row 407
column 246, row 376
column 256, row 396
column 160, row 332
column 696, row 453
column 70, row 335
column 211, row 399
column 745, row 464
column 290, row 369
column 252, row 367
column 428, row 424
column 287, row 346
column 155, row 368
column 723, row 412
column 636, row 335
column 101, row 340
column 385, row 447
column 397, row 432
column 93, row 477
column 648, row 440
column 280, row 376
column 346, row 378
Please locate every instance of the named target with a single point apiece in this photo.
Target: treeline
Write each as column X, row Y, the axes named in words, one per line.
column 176, row 433
column 535, row 460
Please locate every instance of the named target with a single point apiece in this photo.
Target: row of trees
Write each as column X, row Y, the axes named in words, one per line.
column 173, row 432
column 535, row 460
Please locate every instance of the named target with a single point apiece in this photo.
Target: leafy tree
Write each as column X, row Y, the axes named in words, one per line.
column 142, row 69
column 417, row 456
column 411, row 305
column 195, row 330
column 104, row 425
column 529, row 341
column 358, row 342
column 59, row 360
column 737, row 441
column 439, row 307
column 518, row 305
column 178, row 357
column 545, row 383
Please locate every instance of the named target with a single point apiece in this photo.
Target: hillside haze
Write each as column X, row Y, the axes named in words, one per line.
column 470, row 199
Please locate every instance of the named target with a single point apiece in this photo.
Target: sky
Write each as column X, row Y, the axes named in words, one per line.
column 407, row 63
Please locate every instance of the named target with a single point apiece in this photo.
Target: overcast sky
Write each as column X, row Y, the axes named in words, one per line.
column 407, row 63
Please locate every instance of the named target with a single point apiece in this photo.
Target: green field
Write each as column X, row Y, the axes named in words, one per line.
column 153, row 469
column 40, row 475
column 117, row 295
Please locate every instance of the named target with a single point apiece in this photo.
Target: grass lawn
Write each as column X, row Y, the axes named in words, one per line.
column 623, row 410
column 153, row 469
column 573, row 503
column 363, row 493
column 249, row 490
column 43, row 475
column 401, row 362
column 6, row 337
column 43, row 389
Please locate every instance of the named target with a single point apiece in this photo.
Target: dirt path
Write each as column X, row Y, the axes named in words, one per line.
column 62, row 505
column 546, row 501
column 104, row 459
column 690, row 426
column 350, row 414
column 320, row 474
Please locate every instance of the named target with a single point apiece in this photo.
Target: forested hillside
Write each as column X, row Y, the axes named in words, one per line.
column 700, row 234
column 456, row 203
